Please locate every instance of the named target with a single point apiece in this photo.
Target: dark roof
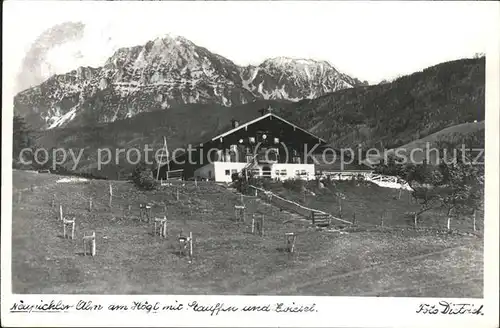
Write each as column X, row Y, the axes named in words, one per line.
column 239, row 127
column 242, row 126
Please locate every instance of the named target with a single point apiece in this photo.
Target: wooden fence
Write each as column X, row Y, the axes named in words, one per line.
column 382, row 180
column 293, row 207
column 175, row 174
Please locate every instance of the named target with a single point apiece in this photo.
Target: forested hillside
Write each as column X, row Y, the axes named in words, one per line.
column 397, row 113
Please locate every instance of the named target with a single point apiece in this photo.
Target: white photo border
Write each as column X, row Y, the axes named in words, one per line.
column 329, row 311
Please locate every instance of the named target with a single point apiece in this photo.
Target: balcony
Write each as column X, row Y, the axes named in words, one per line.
column 267, row 158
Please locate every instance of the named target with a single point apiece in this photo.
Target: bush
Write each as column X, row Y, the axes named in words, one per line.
column 294, row 184
column 142, row 176
column 328, row 182
column 241, row 183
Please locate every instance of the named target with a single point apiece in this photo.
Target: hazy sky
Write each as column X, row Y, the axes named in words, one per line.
column 368, row 40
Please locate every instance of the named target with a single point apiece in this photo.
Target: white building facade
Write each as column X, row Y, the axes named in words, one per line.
column 223, row 171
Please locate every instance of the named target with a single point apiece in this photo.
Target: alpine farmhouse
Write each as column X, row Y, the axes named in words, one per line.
column 267, row 146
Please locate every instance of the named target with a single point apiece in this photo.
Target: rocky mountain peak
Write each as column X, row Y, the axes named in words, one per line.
column 167, row 71
column 293, row 62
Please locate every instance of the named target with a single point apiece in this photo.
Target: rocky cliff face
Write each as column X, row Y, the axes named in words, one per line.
column 294, row 79
column 165, row 72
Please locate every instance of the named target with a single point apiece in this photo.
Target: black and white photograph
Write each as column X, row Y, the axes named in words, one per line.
column 275, row 155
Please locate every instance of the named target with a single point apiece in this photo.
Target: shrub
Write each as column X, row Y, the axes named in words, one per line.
column 241, row 183
column 294, row 184
column 328, row 182
column 142, row 176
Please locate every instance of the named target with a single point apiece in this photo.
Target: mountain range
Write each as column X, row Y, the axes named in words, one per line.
column 433, row 105
column 171, row 87
column 167, row 72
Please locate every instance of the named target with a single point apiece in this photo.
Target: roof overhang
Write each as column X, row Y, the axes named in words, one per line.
column 243, row 126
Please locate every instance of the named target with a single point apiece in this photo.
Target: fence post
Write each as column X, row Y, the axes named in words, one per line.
column 353, row 218
column 89, row 239
column 340, row 207
column 474, row 220
column 448, row 223
column 67, row 222
column 60, row 212
column 415, row 219
column 148, row 212
column 190, row 244
column 110, row 195
column 290, row 241
column 90, row 204
column 93, row 245
column 400, row 191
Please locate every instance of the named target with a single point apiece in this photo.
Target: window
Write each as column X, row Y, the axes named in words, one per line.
column 283, row 172
column 303, row 172
column 228, row 172
column 297, row 172
column 277, row 172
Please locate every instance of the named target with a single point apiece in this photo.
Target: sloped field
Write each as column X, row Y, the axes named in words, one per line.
column 228, row 259
column 370, row 203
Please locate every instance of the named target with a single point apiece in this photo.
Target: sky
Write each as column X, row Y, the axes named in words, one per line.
column 371, row 41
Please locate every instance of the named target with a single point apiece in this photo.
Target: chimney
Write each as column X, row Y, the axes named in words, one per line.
column 234, row 123
column 265, row 111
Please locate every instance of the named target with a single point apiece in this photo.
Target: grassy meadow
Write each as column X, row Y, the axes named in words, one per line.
column 369, row 203
column 227, row 258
